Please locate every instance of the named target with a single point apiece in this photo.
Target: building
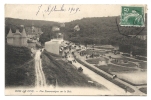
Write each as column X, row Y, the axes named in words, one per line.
column 55, row 28
column 141, row 36
column 17, row 38
column 54, row 45
column 102, row 61
column 62, row 25
column 33, row 32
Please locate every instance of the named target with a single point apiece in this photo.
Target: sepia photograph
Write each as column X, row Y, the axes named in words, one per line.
column 75, row 49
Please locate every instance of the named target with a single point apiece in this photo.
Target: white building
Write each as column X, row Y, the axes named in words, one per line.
column 54, row 45
column 17, row 38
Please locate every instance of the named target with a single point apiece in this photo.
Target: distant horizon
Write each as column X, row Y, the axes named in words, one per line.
column 62, row 22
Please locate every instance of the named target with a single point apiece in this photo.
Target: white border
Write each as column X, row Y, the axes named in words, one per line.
column 70, row 2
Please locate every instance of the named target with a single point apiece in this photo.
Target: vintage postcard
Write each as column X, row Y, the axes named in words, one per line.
column 76, row 49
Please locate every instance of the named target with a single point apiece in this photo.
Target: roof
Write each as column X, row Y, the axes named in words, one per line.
column 17, row 32
column 10, row 34
column 23, row 33
column 35, row 31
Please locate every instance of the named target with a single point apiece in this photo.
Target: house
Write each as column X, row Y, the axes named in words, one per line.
column 102, row 61
column 33, row 32
column 55, row 28
column 62, row 25
column 140, row 36
column 55, row 45
column 17, row 38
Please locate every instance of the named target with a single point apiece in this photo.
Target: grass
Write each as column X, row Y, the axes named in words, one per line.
column 95, row 60
column 128, row 64
column 89, row 52
column 133, row 60
column 107, row 77
column 129, row 82
column 143, row 65
column 20, row 75
column 104, row 48
column 141, row 58
column 64, row 73
column 143, row 89
column 113, row 68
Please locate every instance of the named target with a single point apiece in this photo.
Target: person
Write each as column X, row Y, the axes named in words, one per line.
column 125, row 89
column 40, row 56
column 40, row 50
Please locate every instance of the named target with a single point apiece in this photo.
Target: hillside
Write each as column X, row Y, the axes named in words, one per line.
column 26, row 22
column 101, row 29
column 18, row 62
column 15, row 23
column 97, row 30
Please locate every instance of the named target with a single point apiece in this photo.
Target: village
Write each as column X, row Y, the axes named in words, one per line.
column 103, row 65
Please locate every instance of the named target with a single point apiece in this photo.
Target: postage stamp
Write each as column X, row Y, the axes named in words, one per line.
column 132, row 16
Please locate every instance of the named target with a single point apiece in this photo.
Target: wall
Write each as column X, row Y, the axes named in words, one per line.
column 10, row 41
column 52, row 46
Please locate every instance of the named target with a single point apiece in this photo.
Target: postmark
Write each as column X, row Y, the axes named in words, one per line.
column 132, row 16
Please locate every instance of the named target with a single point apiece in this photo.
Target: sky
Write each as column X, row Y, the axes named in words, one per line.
column 64, row 13
column 30, row 11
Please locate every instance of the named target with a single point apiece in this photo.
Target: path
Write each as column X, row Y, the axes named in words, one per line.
column 40, row 77
column 112, row 88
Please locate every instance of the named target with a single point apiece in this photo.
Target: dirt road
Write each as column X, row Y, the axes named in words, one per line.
column 40, row 77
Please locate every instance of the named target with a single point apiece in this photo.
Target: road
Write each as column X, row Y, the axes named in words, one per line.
column 112, row 88
column 40, row 77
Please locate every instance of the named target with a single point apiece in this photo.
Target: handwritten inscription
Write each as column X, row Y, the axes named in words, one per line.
column 55, row 8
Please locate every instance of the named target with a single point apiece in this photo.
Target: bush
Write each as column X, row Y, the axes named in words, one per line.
column 143, row 89
column 16, row 75
column 16, row 55
column 139, row 51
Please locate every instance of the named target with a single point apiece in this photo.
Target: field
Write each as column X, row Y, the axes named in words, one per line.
column 128, row 64
column 144, row 90
column 143, row 65
column 127, row 74
column 96, row 60
column 64, row 73
column 104, row 47
column 133, row 60
column 113, row 68
column 135, row 77
column 89, row 52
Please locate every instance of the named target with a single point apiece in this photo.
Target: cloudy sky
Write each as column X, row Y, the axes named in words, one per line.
column 60, row 13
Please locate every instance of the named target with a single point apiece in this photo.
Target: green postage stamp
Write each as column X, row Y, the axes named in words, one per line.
column 132, row 16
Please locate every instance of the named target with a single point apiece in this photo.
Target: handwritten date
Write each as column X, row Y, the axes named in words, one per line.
column 55, row 8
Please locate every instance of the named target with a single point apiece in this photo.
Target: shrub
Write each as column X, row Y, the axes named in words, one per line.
column 16, row 55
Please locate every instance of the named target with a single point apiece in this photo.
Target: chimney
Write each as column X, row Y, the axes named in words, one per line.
column 17, row 31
